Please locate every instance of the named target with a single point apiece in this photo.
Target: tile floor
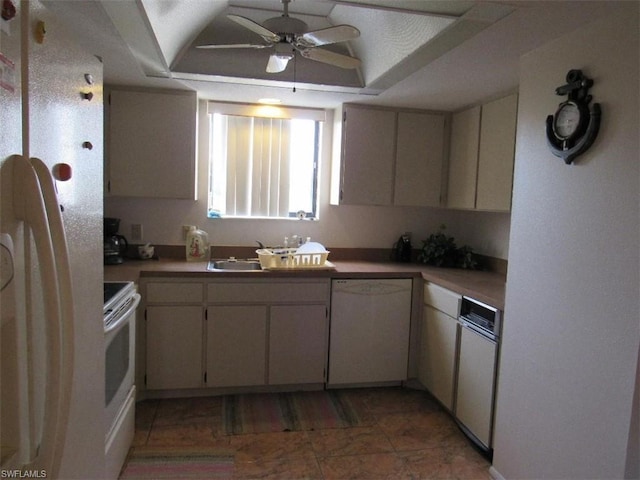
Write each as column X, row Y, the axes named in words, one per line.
column 405, row 435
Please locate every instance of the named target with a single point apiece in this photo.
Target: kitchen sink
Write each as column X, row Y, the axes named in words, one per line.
column 233, row 264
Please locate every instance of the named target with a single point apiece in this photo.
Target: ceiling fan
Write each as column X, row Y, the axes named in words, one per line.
column 286, row 35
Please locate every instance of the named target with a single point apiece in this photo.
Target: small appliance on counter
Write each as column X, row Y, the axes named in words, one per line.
column 115, row 246
column 402, row 249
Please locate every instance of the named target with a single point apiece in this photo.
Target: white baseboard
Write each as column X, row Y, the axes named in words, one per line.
column 495, row 474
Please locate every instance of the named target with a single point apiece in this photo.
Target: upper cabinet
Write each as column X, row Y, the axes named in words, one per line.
column 390, row 157
column 496, row 155
column 463, row 158
column 481, row 156
column 419, row 155
column 368, row 152
column 151, row 144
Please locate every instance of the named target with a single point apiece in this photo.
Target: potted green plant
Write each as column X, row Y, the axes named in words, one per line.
column 441, row 250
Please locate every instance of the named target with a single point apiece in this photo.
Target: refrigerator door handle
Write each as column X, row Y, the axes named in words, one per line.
column 29, row 207
column 65, row 292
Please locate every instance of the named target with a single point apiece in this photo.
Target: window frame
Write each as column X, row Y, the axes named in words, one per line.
column 319, row 116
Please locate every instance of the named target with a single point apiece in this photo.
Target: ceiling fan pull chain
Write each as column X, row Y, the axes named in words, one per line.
column 295, row 62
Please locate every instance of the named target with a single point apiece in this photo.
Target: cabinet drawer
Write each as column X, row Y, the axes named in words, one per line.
column 174, row 292
column 267, row 292
column 442, row 299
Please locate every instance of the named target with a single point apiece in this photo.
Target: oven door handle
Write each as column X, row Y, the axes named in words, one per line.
column 122, row 319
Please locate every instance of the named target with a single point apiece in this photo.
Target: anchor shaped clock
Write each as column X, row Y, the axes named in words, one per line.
column 573, row 128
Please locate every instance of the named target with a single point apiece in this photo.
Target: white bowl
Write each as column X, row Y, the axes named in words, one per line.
column 145, row 252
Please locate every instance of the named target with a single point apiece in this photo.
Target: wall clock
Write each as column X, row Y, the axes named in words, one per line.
column 574, row 127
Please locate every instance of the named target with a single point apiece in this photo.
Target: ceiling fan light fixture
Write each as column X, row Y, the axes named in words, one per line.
column 286, row 35
column 278, row 63
column 284, row 50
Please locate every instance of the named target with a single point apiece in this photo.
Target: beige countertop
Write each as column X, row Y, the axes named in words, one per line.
column 488, row 287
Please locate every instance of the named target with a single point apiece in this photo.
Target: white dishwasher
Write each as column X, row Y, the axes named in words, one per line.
column 369, row 336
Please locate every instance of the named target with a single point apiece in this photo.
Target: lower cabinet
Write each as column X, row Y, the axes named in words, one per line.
column 439, row 342
column 233, row 333
column 174, row 347
column 297, row 344
column 438, row 354
column 236, row 345
column 457, row 364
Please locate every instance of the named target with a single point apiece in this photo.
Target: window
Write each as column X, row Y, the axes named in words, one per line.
column 263, row 162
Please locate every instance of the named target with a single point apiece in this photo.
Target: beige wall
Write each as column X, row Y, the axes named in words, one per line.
column 571, row 332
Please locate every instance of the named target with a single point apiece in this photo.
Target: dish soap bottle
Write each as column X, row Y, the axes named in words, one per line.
column 197, row 245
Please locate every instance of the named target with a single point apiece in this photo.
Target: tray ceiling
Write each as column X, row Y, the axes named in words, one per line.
column 396, row 38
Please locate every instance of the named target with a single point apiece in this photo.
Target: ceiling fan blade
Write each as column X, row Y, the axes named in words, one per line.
column 233, row 45
column 332, row 58
column 326, row 36
column 265, row 33
column 277, row 63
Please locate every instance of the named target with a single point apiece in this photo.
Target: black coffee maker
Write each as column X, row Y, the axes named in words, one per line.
column 115, row 246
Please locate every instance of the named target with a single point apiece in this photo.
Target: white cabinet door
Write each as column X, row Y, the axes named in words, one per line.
column 438, row 354
column 151, row 144
column 481, row 156
column 297, row 344
column 497, row 149
column 476, row 377
column 463, row 158
column 174, row 347
column 419, row 156
column 236, row 345
column 368, row 152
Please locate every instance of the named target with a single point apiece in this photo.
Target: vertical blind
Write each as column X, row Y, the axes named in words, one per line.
column 254, row 156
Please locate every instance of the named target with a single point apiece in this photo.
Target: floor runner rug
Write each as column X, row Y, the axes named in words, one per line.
column 176, row 463
column 287, row 412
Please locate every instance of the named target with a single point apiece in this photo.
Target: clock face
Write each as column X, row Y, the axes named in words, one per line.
column 567, row 120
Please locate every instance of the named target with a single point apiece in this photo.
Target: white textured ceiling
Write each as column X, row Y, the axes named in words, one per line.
column 476, row 57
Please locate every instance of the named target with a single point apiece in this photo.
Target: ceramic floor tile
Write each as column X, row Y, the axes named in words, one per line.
column 145, row 413
column 380, row 401
column 370, row 467
column 141, row 436
column 270, row 446
column 296, row 468
column 177, row 411
column 189, row 434
column 406, row 434
column 349, row 441
column 415, row 431
column 447, row 463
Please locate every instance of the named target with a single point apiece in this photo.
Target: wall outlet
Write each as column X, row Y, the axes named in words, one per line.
column 136, row 232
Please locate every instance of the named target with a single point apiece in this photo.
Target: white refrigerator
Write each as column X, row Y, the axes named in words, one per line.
column 51, row 338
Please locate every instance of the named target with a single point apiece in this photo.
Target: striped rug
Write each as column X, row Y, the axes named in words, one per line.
column 287, row 412
column 177, row 463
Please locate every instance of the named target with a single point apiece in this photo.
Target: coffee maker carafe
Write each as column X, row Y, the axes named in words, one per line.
column 115, row 246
